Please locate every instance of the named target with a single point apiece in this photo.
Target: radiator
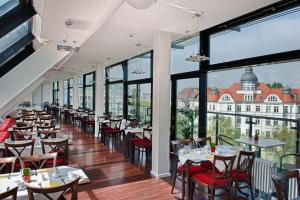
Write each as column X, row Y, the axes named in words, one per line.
column 262, row 173
column 293, row 190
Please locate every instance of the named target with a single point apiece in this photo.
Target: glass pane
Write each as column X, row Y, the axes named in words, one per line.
column 65, row 84
column 116, row 99
column 145, row 103
column 181, row 51
column 80, row 82
column 89, row 98
column 13, row 36
column 132, row 101
column 80, row 97
column 115, row 73
column 257, row 92
column 139, row 68
column 7, row 5
column 187, row 108
column 89, row 79
column 71, row 96
column 65, row 96
column 273, row 34
column 71, row 82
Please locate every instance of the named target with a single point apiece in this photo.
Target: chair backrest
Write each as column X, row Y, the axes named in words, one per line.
column 38, row 161
column 223, row 139
column 17, row 147
column 176, row 145
column 281, row 183
column 9, row 162
column 73, row 186
column 23, row 129
column 115, row 123
column 245, row 161
column 201, row 142
column 10, row 193
column 147, row 133
column 228, row 162
column 22, row 135
column 29, row 120
column 133, row 123
column 47, row 134
column 61, row 147
column 21, row 124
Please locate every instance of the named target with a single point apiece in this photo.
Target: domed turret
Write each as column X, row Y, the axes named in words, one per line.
column 249, row 76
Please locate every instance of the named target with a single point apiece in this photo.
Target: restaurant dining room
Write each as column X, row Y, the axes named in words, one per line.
column 150, row 99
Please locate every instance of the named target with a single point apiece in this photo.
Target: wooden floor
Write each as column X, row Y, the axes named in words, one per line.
column 112, row 175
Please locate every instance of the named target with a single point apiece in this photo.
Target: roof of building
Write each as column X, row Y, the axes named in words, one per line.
column 249, row 76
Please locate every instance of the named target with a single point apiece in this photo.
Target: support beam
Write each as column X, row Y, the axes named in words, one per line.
column 161, row 118
column 61, row 92
column 99, row 102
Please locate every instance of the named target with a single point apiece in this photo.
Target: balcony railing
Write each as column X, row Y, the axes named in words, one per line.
column 243, row 125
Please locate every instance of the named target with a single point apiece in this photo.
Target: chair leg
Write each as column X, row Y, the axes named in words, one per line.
column 174, row 181
column 236, row 186
column 212, row 193
column 251, row 189
column 192, row 191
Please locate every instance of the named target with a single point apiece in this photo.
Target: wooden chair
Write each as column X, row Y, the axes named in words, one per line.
column 281, row 183
column 62, row 149
column 23, row 129
column 289, row 166
column 10, row 193
column 47, row 119
column 30, row 121
column 112, row 132
column 243, row 172
column 38, row 161
column 73, row 186
column 17, row 149
column 201, row 142
column 144, row 145
column 225, row 140
column 46, row 132
column 8, row 162
column 214, row 179
column 22, row 135
column 179, row 170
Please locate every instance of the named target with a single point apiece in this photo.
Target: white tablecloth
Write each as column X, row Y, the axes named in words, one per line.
column 42, row 178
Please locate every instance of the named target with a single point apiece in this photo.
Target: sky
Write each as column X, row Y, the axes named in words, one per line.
column 271, row 36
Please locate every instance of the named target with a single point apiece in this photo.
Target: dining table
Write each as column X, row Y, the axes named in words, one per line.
column 42, row 178
column 204, row 154
column 261, row 143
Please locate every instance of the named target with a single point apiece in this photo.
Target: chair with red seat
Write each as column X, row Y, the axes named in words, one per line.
column 90, row 124
column 214, row 179
column 13, row 148
column 243, row 172
column 59, row 146
column 144, row 145
column 179, row 170
column 112, row 132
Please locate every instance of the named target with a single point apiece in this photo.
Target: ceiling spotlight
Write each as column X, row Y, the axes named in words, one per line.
column 141, row 4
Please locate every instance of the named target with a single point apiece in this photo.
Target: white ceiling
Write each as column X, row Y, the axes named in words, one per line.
column 112, row 40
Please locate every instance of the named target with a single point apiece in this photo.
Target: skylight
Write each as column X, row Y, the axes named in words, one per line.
column 7, row 5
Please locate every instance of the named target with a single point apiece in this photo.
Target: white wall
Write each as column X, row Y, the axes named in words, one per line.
column 47, row 93
column 37, row 96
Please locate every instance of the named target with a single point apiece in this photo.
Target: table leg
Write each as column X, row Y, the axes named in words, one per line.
column 183, row 180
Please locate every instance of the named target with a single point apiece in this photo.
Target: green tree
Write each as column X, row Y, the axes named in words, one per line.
column 275, row 85
column 186, row 121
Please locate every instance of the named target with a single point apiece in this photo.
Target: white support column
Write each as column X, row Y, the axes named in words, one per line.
column 61, row 92
column 161, row 118
column 99, row 101
column 75, row 92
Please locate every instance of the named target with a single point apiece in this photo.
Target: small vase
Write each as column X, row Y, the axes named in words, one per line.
column 213, row 149
column 256, row 138
column 26, row 179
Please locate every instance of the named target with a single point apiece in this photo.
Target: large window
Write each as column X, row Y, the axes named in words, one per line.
column 68, row 92
column 139, row 67
column 182, row 50
column 55, row 92
column 89, row 91
column 131, row 79
column 7, row 5
column 272, row 34
column 116, row 99
column 80, row 92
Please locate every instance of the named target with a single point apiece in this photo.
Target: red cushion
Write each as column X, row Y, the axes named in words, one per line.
column 134, row 141
column 59, row 161
column 194, row 169
column 8, row 122
column 209, row 166
column 144, row 144
column 239, row 175
column 3, row 135
column 206, row 178
column 18, row 165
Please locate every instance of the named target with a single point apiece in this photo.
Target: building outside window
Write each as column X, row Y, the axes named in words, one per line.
column 228, row 107
column 276, row 109
column 257, row 108
column 268, row 109
column 238, row 108
column 55, row 93
column 248, row 108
